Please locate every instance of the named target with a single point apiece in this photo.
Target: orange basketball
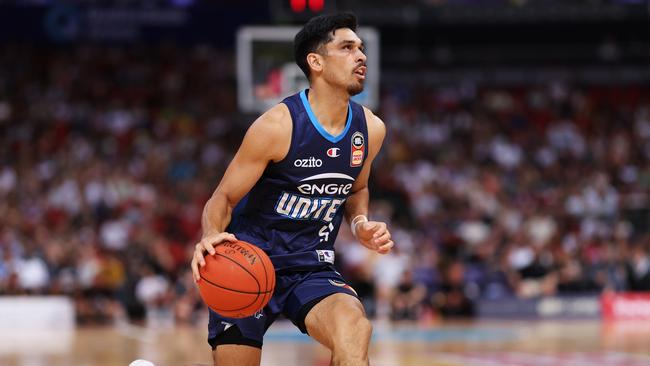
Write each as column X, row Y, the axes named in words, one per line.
column 238, row 280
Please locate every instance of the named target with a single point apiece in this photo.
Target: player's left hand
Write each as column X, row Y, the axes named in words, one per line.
column 374, row 235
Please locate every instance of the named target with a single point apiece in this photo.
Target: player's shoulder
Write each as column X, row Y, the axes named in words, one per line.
column 277, row 115
column 271, row 133
column 375, row 124
column 274, row 122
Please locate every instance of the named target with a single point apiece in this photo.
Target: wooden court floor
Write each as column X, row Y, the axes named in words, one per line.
column 576, row 343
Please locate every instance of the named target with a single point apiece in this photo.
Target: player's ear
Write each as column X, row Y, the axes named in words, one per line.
column 315, row 61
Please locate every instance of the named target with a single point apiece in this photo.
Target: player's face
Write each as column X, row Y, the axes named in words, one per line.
column 345, row 62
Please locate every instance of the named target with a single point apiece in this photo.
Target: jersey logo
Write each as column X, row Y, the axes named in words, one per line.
column 310, row 188
column 325, row 256
column 330, row 189
column 328, row 175
column 301, row 206
column 310, row 162
column 333, row 152
column 358, row 148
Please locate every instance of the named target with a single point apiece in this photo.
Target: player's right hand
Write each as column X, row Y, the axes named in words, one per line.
column 207, row 244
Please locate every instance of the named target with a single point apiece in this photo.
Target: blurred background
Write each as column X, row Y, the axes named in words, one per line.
column 515, row 175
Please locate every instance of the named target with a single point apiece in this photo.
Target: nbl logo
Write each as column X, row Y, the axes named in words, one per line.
column 357, row 150
column 357, row 141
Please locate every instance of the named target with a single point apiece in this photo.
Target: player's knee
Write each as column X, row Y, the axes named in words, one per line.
column 357, row 334
column 363, row 327
column 352, row 348
column 358, row 324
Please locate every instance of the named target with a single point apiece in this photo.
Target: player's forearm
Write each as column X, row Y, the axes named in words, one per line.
column 357, row 204
column 216, row 214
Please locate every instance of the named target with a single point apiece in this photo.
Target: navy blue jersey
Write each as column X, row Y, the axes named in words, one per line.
column 295, row 209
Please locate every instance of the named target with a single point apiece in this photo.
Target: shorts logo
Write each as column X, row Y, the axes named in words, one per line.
column 358, row 147
column 333, row 152
column 342, row 284
column 337, row 283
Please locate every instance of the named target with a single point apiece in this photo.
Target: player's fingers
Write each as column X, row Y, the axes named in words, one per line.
column 195, row 270
column 208, row 246
column 382, row 240
column 229, row 237
column 199, row 248
column 198, row 254
column 386, row 248
column 220, row 238
column 380, row 230
column 200, row 259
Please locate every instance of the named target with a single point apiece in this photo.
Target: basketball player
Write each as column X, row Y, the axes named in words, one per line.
column 302, row 166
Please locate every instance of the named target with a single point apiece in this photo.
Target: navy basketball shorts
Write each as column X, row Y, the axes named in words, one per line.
column 295, row 294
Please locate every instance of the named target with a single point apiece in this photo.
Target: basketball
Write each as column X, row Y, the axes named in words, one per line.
column 238, row 280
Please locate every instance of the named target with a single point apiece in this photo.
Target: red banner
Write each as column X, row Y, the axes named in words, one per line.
column 626, row 306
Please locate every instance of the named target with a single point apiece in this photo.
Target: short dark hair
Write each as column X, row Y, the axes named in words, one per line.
column 316, row 33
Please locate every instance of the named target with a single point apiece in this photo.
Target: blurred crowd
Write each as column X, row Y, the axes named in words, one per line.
column 520, row 192
column 107, row 156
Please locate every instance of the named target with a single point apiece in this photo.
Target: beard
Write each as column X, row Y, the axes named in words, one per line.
column 354, row 89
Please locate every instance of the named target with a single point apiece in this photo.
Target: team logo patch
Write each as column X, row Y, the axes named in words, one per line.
column 333, row 152
column 357, row 149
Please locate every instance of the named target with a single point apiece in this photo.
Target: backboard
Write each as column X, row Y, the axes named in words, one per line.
column 267, row 72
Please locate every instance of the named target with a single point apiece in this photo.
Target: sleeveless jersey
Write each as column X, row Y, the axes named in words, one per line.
column 295, row 209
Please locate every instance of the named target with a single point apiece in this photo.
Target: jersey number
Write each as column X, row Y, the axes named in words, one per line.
column 324, row 232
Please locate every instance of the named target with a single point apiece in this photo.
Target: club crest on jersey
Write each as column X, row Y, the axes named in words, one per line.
column 333, row 152
column 357, row 150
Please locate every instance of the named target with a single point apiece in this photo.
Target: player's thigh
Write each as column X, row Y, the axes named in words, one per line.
column 337, row 317
column 236, row 355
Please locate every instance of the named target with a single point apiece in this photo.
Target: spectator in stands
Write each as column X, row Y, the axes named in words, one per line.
column 452, row 300
column 638, row 269
column 407, row 298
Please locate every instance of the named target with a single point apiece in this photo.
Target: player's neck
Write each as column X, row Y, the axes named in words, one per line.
column 330, row 107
